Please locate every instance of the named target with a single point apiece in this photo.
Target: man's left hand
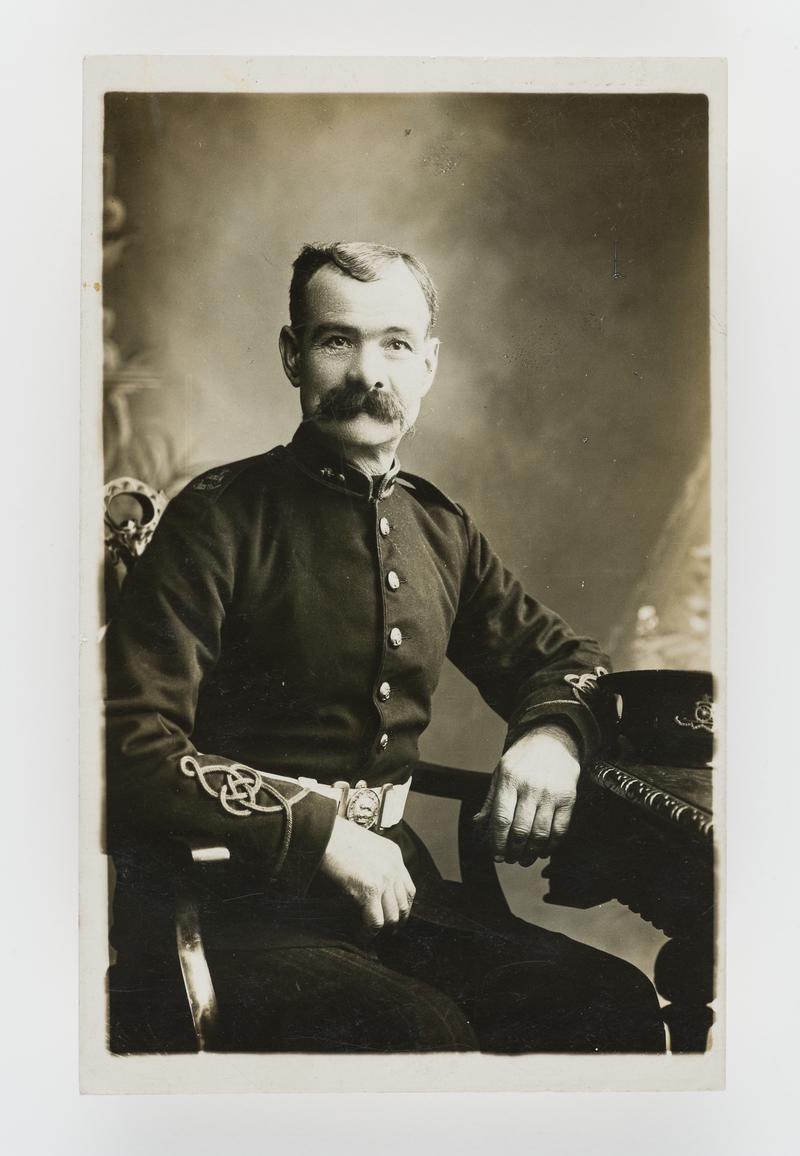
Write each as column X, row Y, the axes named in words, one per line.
column 531, row 797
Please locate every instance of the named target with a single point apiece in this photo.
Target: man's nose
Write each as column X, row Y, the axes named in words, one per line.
column 367, row 368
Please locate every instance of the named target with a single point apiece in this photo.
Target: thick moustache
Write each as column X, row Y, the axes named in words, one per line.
column 345, row 402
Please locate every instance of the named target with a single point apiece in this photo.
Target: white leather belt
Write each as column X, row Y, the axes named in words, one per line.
column 376, row 808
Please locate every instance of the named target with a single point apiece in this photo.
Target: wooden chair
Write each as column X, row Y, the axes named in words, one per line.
column 192, row 872
column 131, row 512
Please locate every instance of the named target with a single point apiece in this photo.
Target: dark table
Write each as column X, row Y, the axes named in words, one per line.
column 643, row 834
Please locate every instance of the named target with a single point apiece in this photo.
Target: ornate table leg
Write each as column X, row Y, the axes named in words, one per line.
column 684, row 974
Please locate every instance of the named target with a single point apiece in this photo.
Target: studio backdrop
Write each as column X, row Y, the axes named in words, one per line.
column 568, row 237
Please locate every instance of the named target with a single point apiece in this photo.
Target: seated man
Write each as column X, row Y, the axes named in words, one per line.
column 270, row 670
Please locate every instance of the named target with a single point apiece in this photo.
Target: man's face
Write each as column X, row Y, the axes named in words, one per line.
column 363, row 359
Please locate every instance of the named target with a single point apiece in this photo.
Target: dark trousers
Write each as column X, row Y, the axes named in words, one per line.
column 452, row 983
column 462, row 974
column 429, row 987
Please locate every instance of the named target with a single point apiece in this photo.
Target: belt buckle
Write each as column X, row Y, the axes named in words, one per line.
column 363, row 805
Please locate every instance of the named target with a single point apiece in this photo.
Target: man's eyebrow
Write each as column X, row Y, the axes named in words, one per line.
column 333, row 327
column 327, row 327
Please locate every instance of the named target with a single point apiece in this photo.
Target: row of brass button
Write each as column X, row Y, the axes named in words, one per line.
column 395, row 634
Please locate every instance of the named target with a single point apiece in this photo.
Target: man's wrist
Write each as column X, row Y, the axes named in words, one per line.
column 555, row 729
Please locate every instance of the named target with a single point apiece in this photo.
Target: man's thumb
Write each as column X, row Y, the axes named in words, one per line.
column 487, row 806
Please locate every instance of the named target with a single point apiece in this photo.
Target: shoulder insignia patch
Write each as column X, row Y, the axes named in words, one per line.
column 212, row 480
column 215, row 481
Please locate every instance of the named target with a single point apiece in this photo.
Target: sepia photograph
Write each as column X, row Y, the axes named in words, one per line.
column 402, row 723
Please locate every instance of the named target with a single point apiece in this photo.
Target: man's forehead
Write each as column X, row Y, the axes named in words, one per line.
column 394, row 299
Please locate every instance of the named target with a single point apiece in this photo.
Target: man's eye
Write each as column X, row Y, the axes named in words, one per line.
column 398, row 345
column 336, row 341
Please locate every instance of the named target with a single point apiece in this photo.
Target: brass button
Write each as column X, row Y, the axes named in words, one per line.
column 384, row 527
column 384, row 690
column 383, row 741
column 395, row 636
column 392, row 580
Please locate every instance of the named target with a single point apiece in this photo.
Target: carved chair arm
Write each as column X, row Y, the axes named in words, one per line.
column 478, row 870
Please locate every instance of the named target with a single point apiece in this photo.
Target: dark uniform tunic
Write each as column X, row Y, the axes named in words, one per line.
column 291, row 617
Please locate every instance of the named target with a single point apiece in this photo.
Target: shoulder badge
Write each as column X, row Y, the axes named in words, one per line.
column 216, row 480
column 212, row 480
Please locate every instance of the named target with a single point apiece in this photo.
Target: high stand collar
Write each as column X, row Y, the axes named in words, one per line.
column 327, row 464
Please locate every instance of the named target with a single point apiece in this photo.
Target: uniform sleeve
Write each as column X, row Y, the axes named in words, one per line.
column 527, row 663
column 163, row 642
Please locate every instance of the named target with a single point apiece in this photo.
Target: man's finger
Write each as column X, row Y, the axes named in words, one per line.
column 408, row 884
column 372, row 915
column 539, row 842
column 487, row 806
column 561, row 821
column 503, row 807
column 528, row 857
column 403, row 900
column 391, row 908
column 520, row 830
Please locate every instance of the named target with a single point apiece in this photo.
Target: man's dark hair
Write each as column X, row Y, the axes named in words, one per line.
column 364, row 260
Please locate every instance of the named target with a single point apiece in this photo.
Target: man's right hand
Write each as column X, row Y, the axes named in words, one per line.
column 370, row 869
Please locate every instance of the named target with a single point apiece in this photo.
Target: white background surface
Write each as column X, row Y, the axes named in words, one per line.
column 41, row 110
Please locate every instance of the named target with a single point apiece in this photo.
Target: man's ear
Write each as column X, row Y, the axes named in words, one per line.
column 289, row 345
column 431, row 359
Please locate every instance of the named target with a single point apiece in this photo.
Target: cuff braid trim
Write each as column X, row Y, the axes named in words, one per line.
column 238, row 795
